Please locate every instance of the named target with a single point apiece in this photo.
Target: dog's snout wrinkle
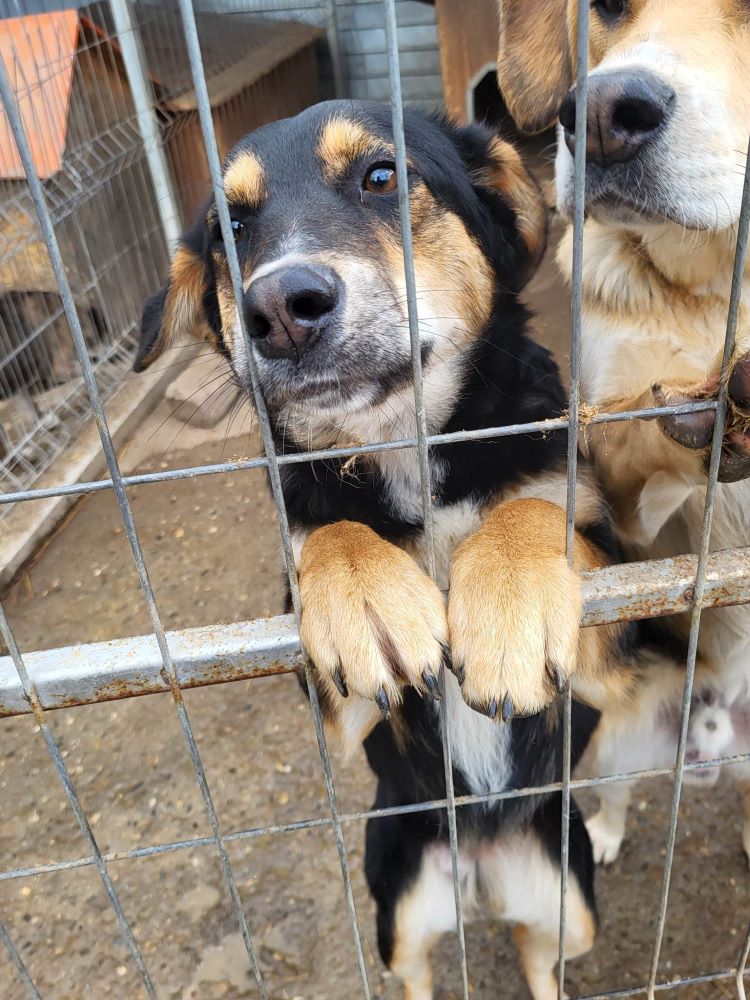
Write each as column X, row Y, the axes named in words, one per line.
column 288, row 309
column 625, row 111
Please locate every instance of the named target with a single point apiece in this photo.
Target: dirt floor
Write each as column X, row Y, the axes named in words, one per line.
column 212, row 551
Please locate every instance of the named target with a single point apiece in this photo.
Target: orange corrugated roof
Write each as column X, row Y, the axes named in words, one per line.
column 38, row 52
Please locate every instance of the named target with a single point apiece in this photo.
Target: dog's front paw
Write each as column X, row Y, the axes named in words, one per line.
column 372, row 621
column 606, row 838
column 695, row 430
column 514, row 610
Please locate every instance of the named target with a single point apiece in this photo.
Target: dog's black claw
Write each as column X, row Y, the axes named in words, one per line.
column 381, row 698
column 432, row 684
column 338, row 680
column 507, row 708
column 460, row 673
column 557, row 677
column 492, row 708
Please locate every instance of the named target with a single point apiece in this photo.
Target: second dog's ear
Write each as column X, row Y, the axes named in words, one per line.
column 534, row 61
column 179, row 308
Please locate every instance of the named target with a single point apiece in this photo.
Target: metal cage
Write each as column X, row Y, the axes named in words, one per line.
column 37, row 682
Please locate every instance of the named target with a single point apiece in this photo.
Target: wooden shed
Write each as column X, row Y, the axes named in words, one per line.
column 257, row 70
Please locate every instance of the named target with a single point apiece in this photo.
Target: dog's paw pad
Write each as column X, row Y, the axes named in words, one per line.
column 605, row 841
column 691, row 430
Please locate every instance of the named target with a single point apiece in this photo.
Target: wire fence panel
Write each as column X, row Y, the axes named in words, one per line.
column 56, row 259
column 66, row 78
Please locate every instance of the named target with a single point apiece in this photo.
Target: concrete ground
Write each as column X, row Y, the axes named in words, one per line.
column 212, row 550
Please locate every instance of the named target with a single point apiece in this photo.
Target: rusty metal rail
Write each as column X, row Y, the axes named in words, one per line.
column 216, row 654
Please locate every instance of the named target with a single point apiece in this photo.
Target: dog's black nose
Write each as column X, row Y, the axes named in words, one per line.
column 288, row 310
column 625, row 110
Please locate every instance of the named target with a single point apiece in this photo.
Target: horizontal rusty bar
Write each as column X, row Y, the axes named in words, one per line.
column 122, row 668
column 664, row 587
column 215, row 654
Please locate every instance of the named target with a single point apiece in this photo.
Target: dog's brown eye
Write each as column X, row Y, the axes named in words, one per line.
column 238, row 229
column 381, row 179
column 610, row 8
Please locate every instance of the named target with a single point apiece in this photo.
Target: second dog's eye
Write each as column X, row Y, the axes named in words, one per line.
column 238, row 228
column 610, row 9
column 381, row 179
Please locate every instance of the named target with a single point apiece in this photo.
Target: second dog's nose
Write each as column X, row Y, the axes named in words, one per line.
column 625, row 110
column 287, row 310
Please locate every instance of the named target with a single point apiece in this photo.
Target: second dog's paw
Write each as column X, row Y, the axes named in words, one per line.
column 695, row 430
column 605, row 841
column 514, row 610
column 372, row 621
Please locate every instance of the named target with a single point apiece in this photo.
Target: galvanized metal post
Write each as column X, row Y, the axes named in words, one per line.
column 334, row 48
column 134, row 59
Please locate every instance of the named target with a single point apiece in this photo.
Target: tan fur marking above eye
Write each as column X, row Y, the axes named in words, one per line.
column 245, row 182
column 342, row 142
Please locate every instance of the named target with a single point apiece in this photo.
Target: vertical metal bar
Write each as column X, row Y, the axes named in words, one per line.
column 212, row 153
column 53, row 749
column 134, row 59
column 579, row 218
column 45, row 224
column 334, row 47
column 735, row 297
column 399, row 141
column 18, row 963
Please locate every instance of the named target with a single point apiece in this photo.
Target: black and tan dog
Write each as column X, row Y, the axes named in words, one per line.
column 666, row 137
column 316, row 222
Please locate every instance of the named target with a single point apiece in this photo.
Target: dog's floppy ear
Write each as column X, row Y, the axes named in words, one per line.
column 503, row 183
column 534, row 60
column 178, row 308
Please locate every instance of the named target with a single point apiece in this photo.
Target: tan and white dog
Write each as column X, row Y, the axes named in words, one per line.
column 667, row 133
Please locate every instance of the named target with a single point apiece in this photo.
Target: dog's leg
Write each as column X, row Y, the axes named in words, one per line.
column 521, row 877
column 425, row 912
column 539, row 947
column 607, row 827
column 649, row 468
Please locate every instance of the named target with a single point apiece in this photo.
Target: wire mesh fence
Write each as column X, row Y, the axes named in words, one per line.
column 49, row 226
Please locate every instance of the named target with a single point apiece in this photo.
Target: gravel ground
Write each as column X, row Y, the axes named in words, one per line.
column 212, row 550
